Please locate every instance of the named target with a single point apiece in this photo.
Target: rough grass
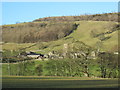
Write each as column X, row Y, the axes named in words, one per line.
column 16, row 46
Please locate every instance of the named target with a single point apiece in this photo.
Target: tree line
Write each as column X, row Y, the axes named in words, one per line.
column 95, row 17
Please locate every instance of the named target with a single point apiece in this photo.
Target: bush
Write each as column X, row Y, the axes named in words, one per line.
column 39, row 69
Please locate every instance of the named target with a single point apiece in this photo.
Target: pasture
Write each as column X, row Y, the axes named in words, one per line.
column 57, row 82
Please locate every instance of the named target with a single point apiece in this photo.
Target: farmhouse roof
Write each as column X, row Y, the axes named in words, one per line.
column 33, row 53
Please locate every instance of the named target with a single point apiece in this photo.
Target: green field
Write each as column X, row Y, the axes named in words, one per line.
column 57, row 82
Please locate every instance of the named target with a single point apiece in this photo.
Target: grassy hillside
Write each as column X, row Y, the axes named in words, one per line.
column 83, row 33
column 97, row 34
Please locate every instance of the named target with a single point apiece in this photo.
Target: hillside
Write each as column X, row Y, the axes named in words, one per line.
column 94, row 17
column 45, row 35
column 35, row 32
column 83, row 33
column 80, row 48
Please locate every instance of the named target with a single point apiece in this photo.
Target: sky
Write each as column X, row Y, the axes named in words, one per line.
column 60, row 0
column 13, row 12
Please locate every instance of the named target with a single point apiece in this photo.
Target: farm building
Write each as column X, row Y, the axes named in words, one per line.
column 34, row 55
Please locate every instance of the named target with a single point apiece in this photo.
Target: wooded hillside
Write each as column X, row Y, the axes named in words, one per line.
column 35, row 32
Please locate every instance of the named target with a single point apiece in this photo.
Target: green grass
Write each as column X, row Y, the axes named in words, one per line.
column 16, row 46
column 57, row 82
column 25, row 68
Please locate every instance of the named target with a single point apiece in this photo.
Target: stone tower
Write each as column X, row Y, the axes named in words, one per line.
column 65, row 49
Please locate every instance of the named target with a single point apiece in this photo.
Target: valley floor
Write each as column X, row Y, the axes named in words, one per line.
column 57, row 82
